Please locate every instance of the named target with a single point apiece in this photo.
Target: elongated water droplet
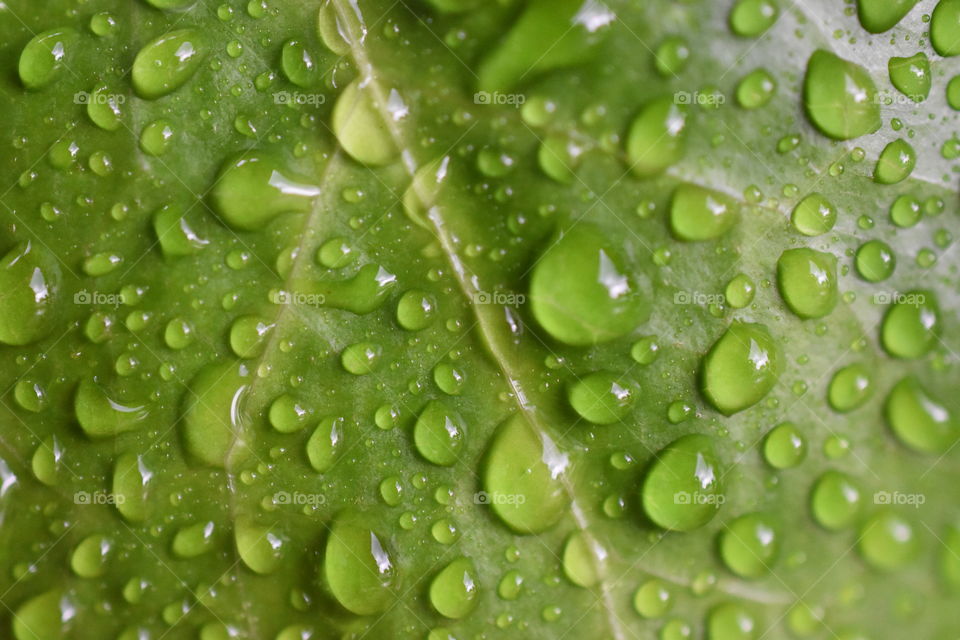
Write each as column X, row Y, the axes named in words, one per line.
column 102, row 416
column 358, row 568
column 44, row 617
column 360, row 128
column 89, row 559
column 194, row 540
column 167, row 63
column 259, row 546
column 945, row 28
column 878, row 16
column 896, row 163
column 252, row 190
column 658, row 137
column 30, row 279
column 580, row 559
column 919, row 420
column 840, row 97
column 131, row 479
column 325, row 443
column 911, row 76
column 213, row 418
column 45, row 56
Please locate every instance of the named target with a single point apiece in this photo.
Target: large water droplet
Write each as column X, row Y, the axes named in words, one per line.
column 194, row 540
column 44, row 617
column 252, row 190
column 45, row 57
column 740, row 368
column 101, row 416
column 260, row 547
column 911, row 325
column 358, row 569
column 919, row 420
column 522, row 477
column 167, row 63
column 454, row 591
column 682, row 489
column 440, row 434
column 749, row 545
column 657, row 137
column 911, row 76
column 887, row 540
column 814, row 215
column 580, row 559
column 878, row 16
column 360, row 127
column 945, row 28
column 808, row 281
column 89, row 559
column 698, row 214
column 213, row 418
column 30, row 280
column 896, row 163
column 840, row 97
column 581, row 292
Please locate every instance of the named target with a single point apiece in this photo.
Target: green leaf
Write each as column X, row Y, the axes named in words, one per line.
column 451, row 319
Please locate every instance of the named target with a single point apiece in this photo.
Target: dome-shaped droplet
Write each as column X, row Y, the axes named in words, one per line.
column 325, row 443
column 657, row 137
column 167, row 63
column 750, row 18
column 194, row 540
column 259, row 546
column 45, row 57
column 581, row 292
column 911, row 325
column 807, row 280
column 30, row 279
column 287, row 414
column 358, row 568
column 835, row 500
column 440, row 434
column 945, row 28
column 249, row 336
column 814, row 215
column 731, row 621
column 888, row 541
column 416, row 310
column 454, row 591
column 360, row 127
column 919, row 420
column 214, row 421
column 653, row 599
column 522, row 477
column 682, row 489
column 102, row 416
column 699, row 214
column 875, row 261
column 44, row 617
column 131, row 480
column 740, row 368
column 878, row 16
column 911, row 76
column 177, row 234
column 749, row 545
column 896, row 163
column 90, row 557
column 840, row 97
column 850, row 387
column 602, row 397
column 784, row 446
column 300, row 64
column 581, row 557
column 252, row 190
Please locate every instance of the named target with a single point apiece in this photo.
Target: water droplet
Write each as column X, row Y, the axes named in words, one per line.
column 749, row 545
column 740, row 291
column 875, row 261
column 808, row 281
column 850, row 387
column 104, row 107
column 682, row 489
column 360, row 128
column 157, row 137
column 89, row 559
column 878, row 16
column 101, row 416
column 653, row 599
column 213, row 417
column 167, row 63
column 131, row 477
column 756, row 89
column 911, row 76
column 657, row 137
column 521, row 478
column 840, row 97
column 45, row 56
column 887, row 541
column 252, row 190
column 919, row 420
column 260, row 548
column 324, row 445
column 730, row 621
column 671, row 56
column 194, row 540
column 580, row 559
column 911, row 325
column 814, row 215
column 300, row 65
column 896, row 163
column 358, row 569
column 741, row 367
column 602, row 397
column 750, row 18
column 645, row 350
column 249, row 336
column 699, row 214
column 45, row 462
column 454, row 591
column 416, row 310
column 30, row 279
column 835, row 500
column 361, row 358
column 440, row 434
column 43, row 617
column 945, row 28
column 449, row 379
column 580, row 291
